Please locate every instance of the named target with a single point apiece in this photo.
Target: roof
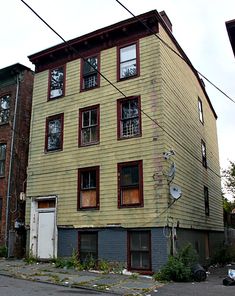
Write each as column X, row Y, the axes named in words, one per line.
column 230, row 25
column 108, row 37
column 13, row 70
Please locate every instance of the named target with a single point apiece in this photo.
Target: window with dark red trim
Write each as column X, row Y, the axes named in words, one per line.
column 129, row 117
column 139, row 250
column 206, row 200
column 56, row 83
column 3, row 148
column 88, row 188
column 200, row 110
column 89, row 75
column 54, row 132
column 89, row 125
column 4, row 109
column 128, row 61
column 204, row 158
column 88, row 246
column 130, row 184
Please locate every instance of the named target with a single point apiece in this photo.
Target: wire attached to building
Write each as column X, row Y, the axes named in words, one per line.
column 112, row 84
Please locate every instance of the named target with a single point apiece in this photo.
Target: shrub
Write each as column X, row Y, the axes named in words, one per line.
column 3, row 251
column 223, row 255
column 179, row 268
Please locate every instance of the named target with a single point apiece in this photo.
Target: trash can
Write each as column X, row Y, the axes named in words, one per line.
column 199, row 273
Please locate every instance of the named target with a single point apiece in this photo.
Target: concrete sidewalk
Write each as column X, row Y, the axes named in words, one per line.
column 111, row 283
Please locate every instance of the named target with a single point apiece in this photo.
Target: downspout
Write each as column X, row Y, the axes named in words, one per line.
column 10, row 166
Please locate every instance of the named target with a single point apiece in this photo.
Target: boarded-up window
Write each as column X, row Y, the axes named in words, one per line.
column 88, row 188
column 56, row 82
column 46, row 203
column 130, row 191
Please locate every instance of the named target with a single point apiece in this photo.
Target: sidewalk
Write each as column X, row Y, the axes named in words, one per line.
column 111, row 283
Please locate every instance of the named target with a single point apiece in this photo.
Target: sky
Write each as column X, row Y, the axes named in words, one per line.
column 198, row 26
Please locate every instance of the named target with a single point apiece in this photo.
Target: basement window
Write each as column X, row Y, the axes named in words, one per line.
column 88, row 246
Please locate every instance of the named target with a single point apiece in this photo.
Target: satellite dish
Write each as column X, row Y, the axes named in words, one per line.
column 175, row 191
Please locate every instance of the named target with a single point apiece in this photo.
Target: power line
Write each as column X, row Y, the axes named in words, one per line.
column 174, row 51
column 120, row 91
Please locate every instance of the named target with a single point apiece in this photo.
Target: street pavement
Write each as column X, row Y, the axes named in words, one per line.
column 72, row 281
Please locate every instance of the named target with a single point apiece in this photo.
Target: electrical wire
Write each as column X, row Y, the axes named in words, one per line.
column 174, row 51
column 114, row 86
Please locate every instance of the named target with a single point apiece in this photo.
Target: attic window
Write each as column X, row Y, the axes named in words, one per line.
column 56, row 83
column 128, row 61
column 90, row 77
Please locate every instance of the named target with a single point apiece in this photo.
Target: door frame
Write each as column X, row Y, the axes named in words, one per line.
column 34, row 219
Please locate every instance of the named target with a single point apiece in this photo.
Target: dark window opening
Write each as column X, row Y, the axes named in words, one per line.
column 3, row 148
column 139, row 250
column 89, row 73
column 206, row 199
column 88, row 246
column 54, row 133
column 204, row 158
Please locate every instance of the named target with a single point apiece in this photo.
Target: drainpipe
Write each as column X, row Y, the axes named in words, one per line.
column 10, row 166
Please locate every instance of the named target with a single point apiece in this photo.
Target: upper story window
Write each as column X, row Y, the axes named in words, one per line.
column 56, row 83
column 129, row 117
column 206, row 200
column 88, row 188
column 200, row 110
column 4, row 109
column 90, row 76
column 128, row 61
column 54, row 132
column 130, row 184
column 204, row 158
column 89, row 129
column 3, row 148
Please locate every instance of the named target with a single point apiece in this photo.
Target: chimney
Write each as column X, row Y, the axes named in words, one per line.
column 166, row 19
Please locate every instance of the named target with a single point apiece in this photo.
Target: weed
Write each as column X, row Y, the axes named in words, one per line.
column 3, row 251
column 30, row 259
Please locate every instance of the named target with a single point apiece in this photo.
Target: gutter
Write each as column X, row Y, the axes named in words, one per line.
column 10, row 166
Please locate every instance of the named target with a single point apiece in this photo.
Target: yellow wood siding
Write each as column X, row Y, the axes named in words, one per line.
column 166, row 93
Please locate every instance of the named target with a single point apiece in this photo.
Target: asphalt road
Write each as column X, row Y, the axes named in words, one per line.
column 14, row 287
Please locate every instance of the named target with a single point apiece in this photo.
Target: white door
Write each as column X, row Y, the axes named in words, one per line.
column 46, row 235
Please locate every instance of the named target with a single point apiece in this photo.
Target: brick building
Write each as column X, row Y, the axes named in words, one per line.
column 16, row 84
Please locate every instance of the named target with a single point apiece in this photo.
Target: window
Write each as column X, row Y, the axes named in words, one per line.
column 88, row 188
column 139, row 250
column 90, row 77
column 54, row 133
column 204, row 160
column 200, row 110
column 4, row 109
column 3, row 148
column 206, row 199
column 56, row 83
column 130, row 184
column 129, row 118
column 0, row 209
column 89, row 130
column 88, row 246
column 128, row 61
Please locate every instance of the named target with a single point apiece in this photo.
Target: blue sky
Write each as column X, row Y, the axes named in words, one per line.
column 198, row 26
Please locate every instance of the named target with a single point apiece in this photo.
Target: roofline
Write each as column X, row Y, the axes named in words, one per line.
column 105, row 30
